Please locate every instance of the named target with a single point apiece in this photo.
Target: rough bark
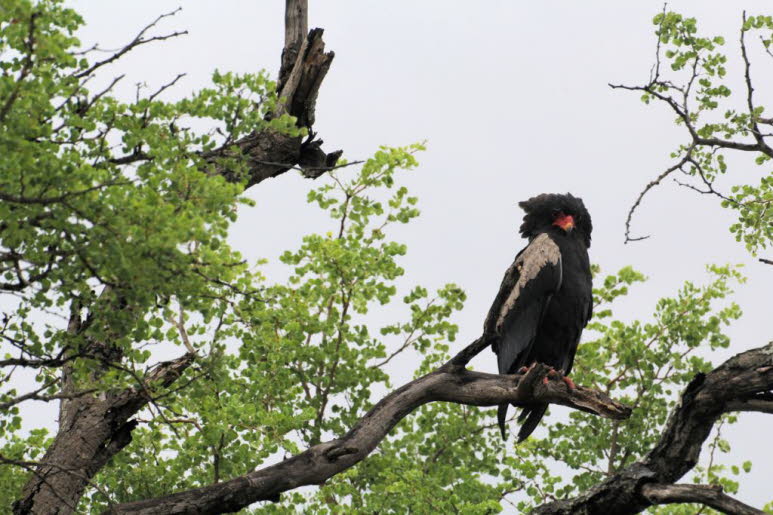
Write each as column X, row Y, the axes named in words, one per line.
column 98, row 429
column 272, row 153
column 304, row 66
column 701, row 494
column 744, row 380
column 296, row 27
column 450, row 383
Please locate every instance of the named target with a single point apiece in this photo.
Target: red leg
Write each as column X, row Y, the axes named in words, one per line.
column 569, row 383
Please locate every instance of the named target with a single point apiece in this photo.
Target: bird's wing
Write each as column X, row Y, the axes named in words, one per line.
column 525, row 291
column 573, row 350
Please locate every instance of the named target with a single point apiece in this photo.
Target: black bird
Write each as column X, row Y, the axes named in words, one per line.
column 545, row 299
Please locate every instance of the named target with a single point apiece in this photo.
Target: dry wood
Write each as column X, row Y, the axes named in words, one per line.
column 730, row 387
column 450, row 383
column 702, row 494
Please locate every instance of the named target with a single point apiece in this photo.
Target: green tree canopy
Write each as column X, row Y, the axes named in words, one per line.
column 178, row 364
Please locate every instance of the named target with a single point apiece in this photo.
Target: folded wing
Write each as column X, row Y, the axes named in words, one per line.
column 520, row 304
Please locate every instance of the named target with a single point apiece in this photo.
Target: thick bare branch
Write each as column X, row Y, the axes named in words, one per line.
column 711, row 496
column 762, row 403
column 450, row 383
column 304, row 66
column 270, row 153
column 296, row 27
column 727, row 388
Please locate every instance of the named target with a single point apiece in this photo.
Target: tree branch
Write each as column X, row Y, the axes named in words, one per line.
column 270, row 153
column 296, row 27
column 755, row 129
column 449, row 383
column 661, row 90
column 86, row 441
column 711, row 496
column 727, row 388
column 628, row 238
column 304, row 65
column 760, row 403
column 35, row 396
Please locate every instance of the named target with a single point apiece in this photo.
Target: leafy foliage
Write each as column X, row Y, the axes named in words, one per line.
column 101, row 193
column 696, row 89
column 644, row 364
column 122, row 210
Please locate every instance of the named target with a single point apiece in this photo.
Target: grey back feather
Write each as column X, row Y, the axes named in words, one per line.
column 539, row 275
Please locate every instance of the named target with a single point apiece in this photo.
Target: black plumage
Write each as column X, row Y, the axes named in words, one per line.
column 545, row 299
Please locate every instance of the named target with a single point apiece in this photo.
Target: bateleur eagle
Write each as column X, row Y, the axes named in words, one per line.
column 545, row 299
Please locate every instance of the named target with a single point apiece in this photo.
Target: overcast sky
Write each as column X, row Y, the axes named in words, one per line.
column 513, row 101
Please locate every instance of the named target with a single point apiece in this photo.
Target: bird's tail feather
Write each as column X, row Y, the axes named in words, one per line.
column 530, row 418
column 502, row 418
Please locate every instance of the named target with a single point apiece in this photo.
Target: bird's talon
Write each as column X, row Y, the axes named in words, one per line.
column 569, row 383
column 545, row 380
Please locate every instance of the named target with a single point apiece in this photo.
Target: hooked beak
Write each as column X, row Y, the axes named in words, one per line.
column 565, row 222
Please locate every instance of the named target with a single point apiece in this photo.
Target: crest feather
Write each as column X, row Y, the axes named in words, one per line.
column 539, row 214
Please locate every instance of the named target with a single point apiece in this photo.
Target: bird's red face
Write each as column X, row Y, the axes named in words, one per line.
column 564, row 221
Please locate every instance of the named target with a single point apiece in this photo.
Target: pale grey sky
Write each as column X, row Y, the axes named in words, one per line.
column 512, row 98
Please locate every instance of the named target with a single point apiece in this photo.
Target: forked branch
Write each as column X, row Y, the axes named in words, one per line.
column 450, row 383
column 742, row 383
column 678, row 99
column 711, row 496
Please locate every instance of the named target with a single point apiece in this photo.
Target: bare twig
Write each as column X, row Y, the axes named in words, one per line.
column 138, row 40
column 650, row 185
column 166, row 86
column 755, row 129
column 409, row 340
column 710, row 190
